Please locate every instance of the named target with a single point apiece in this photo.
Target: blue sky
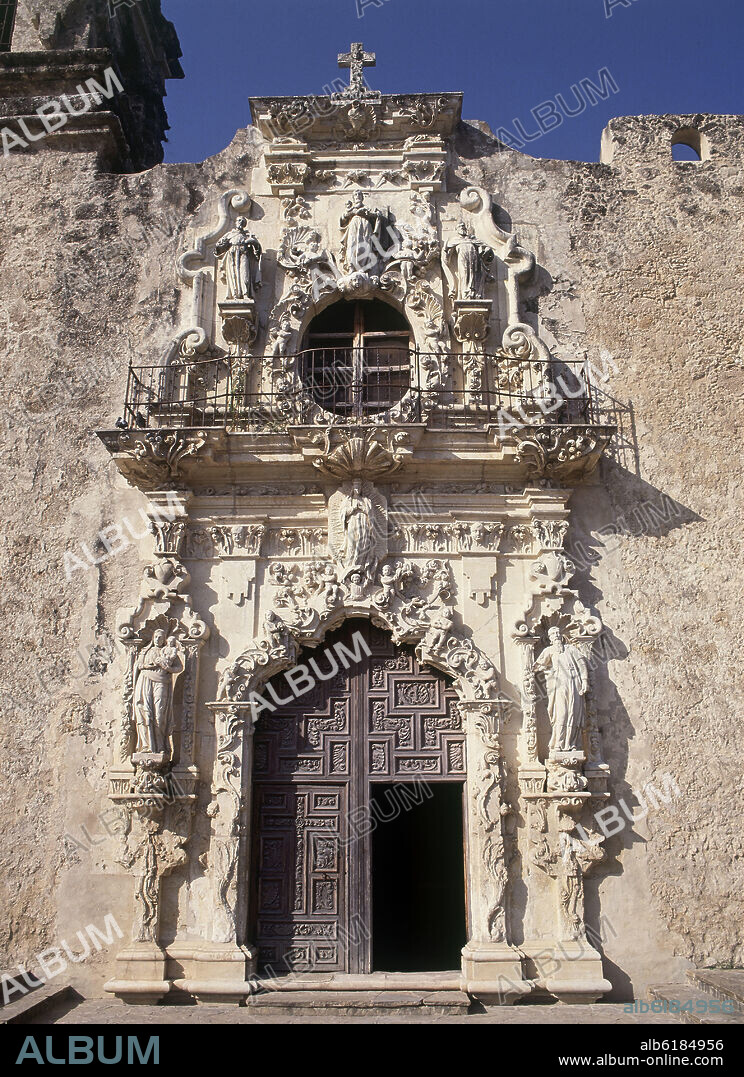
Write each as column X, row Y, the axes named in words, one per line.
column 508, row 57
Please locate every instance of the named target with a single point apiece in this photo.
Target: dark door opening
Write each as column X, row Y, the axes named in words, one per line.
column 317, row 761
column 418, row 883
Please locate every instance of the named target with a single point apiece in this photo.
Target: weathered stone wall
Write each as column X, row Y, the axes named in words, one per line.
column 87, row 275
column 645, row 259
column 640, row 256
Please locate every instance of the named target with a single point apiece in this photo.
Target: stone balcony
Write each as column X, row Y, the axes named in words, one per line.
column 237, row 418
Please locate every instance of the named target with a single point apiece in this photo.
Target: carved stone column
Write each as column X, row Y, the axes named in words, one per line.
column 491, row 967
column 555, row 788
column 155, row 782
column 531, row 771
column 223, row 962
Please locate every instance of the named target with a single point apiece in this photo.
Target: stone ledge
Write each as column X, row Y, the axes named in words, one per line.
column 684, row 994
column 103, row 1012
column 34, row 1004
column 721, row 984
column 360, row 1003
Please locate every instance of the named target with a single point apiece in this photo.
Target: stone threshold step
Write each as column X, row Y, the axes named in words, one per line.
column 34, row 1004
column 372, row 981
column 359, row 1003
column 698, row 1001
column 721, row 984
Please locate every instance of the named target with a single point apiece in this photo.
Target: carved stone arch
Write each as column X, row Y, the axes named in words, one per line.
column 329, row 299
column 474, row 679
column 473, row 674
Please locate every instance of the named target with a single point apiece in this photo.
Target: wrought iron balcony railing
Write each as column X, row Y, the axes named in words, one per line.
column 331, row 386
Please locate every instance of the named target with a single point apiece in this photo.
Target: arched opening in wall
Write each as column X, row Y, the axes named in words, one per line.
column 7, row 20
column 358, row 859
column 688, row 145
column 356, row 357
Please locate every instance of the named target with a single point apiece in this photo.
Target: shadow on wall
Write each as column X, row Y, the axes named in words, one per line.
column 624, row 509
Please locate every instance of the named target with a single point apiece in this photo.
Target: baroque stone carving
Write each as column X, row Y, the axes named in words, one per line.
column 575, row 860
column 421, row 110
column 289, row 174
column 301, row 253
column 348, row 453
column 472, row 259
column 562, row 452
column 153, row 850
column 357, row 528
column 154, row 460
column 550, row 534
column 492, row 809
column 242, row 539
column 519, row 263
column 415, row 246
column 169, row 536
column 567, row 675
column 241, row 259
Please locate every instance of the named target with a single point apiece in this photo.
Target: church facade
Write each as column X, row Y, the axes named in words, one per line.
column 406, row 643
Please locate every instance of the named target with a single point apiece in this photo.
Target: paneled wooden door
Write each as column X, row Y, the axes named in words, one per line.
column 383, row 719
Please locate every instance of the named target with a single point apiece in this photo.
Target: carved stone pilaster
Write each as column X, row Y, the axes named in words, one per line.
column 491, row 966
column 528, row 691
column 158, row 829
column 229, row 811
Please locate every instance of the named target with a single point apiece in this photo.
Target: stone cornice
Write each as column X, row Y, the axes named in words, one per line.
column 187, row 458
column 398, row 116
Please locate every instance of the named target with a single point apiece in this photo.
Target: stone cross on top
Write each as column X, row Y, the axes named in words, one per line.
column 356, row 59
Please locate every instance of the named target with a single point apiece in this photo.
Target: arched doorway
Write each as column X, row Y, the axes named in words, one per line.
column 358, row 815
column 356, row 357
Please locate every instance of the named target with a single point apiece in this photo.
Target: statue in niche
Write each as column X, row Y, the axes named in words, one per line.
column 473, row 260
column 157, row 668
column 356, row 518
column 567, row 676
column 362, row 235
column 241, row 252
column 357, row 530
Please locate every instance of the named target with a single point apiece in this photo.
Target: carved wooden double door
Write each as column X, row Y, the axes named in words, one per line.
column 383, row 723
